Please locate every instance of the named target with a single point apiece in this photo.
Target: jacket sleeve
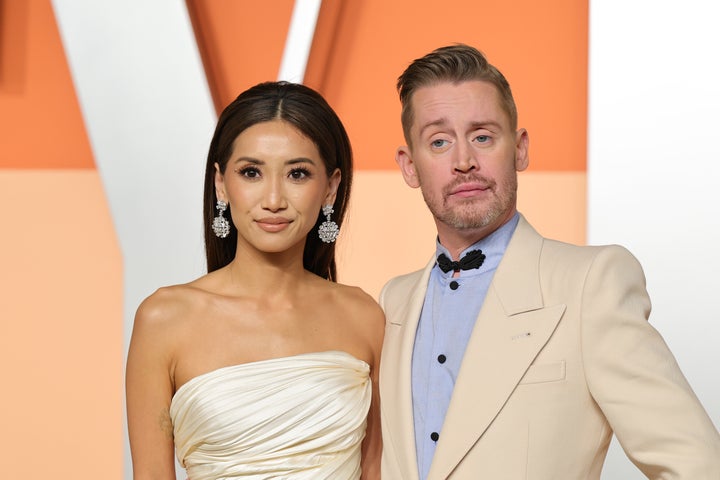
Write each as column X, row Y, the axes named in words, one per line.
column 635, row 379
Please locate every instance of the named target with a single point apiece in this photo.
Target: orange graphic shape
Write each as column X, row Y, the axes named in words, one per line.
column 41, row 126
column 241, row 43
column 61, row 340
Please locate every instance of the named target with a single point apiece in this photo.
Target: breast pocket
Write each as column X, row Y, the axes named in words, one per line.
column 544, row 372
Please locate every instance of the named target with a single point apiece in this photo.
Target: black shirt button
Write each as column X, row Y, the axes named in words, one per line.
column 442, row 358
column 454, row 285
column 434, row 436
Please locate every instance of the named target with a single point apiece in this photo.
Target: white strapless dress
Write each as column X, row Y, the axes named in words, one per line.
column 299, row 417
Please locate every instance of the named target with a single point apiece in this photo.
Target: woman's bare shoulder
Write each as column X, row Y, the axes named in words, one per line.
column 357, row 295
column 363, row 319
column 357, row 304
column 171, row 305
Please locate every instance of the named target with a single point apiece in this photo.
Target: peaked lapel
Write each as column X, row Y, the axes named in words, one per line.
column 512, row 327
column 403, row 307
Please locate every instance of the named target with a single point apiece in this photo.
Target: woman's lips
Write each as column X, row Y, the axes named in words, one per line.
column 273, row 224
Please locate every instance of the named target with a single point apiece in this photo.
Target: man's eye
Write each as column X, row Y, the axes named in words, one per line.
column 438, row 143
column 482, row 138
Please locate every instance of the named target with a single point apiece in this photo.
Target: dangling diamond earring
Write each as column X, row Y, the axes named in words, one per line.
column 220, row 224
column 328, row 231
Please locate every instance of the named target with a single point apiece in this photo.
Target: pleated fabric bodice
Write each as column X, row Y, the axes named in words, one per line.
column 298, row 417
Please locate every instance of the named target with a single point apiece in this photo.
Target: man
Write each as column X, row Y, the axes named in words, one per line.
column 511, row 356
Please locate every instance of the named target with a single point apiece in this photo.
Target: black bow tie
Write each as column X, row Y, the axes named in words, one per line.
column 471, row 260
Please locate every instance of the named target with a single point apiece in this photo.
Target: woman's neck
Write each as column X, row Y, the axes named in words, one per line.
column 266, row 273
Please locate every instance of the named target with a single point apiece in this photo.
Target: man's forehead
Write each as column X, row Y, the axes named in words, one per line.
column 472, row 103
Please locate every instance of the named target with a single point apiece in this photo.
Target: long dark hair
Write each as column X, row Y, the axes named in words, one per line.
column 306, row 110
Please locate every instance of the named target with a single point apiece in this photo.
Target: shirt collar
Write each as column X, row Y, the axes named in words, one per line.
column 493, row 246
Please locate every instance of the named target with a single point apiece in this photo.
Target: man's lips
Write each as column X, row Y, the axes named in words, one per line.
column 469, row 189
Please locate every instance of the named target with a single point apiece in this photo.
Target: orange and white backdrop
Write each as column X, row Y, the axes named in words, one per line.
column 107, row 109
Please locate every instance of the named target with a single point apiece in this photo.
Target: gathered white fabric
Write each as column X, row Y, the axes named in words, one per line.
column 298, row 417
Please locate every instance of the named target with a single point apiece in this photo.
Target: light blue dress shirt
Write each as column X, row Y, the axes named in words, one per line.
column 446, row 322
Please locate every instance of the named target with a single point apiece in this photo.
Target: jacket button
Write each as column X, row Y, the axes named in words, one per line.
column 434, row 436
column 454, row 285
column 441, row 358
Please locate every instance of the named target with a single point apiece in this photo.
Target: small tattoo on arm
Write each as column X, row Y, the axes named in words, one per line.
column 166, row 422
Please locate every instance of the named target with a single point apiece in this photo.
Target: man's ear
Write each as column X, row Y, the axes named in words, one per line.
column 522, row 146
column 403, row 157
column 219, row 184
column 333, row 185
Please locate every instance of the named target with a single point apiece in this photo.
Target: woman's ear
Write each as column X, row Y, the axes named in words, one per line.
column 219, row 184
column 333, row 185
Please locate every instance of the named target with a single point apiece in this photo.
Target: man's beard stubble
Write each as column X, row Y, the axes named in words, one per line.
column 472, row 213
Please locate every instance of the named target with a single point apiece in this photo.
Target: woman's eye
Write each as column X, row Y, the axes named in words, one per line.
column 249, row 172
column 299, row 173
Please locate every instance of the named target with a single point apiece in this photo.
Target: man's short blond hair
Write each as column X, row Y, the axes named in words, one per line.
column 455, row 64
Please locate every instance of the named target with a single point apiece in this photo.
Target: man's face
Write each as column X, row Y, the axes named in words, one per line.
column 464, row 156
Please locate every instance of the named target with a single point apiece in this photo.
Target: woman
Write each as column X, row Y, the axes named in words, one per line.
column 265, row 367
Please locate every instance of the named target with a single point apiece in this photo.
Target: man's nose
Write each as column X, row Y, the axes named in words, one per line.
column 465, row 159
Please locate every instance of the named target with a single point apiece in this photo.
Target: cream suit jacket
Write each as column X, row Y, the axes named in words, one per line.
column 561, row 356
